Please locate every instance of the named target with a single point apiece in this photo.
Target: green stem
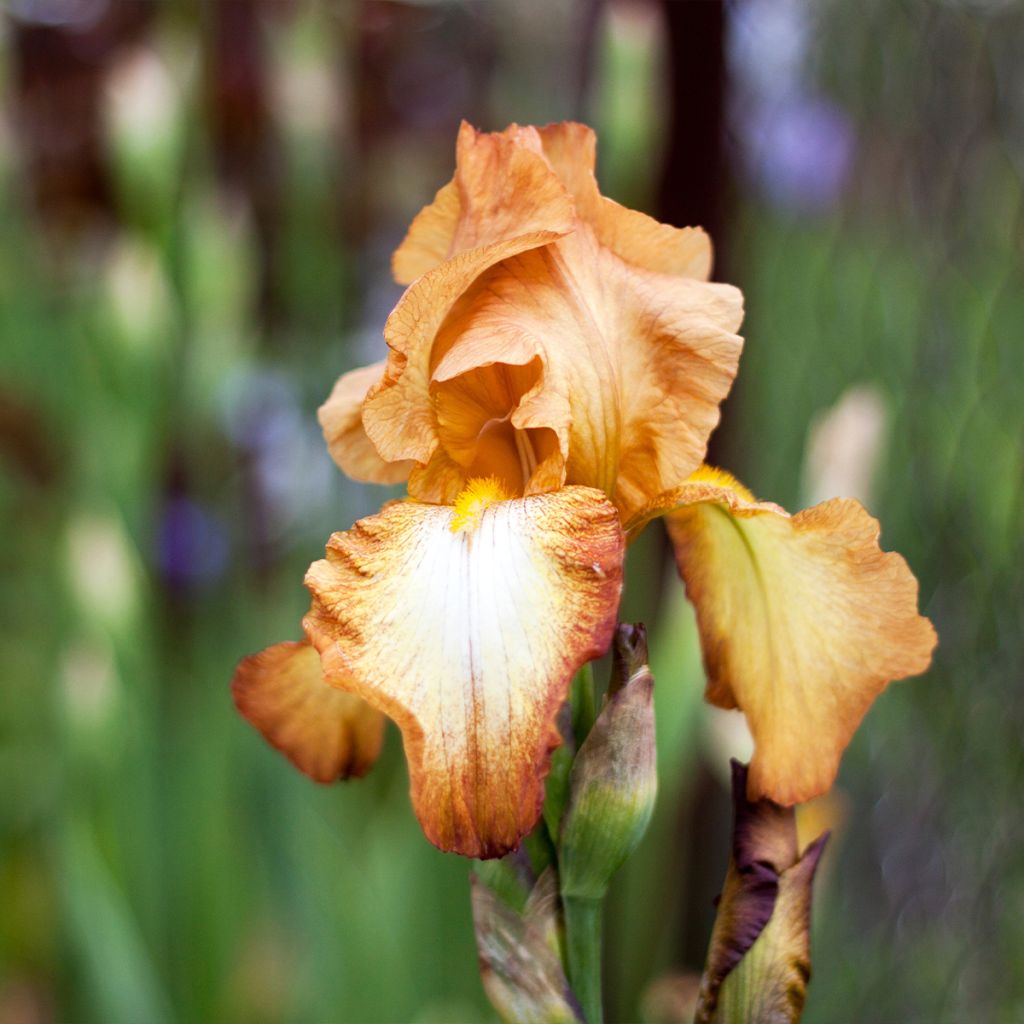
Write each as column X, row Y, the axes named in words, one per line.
column 583, row 947
column 584, row 706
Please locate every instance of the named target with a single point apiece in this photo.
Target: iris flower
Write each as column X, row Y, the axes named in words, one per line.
column 553, row 372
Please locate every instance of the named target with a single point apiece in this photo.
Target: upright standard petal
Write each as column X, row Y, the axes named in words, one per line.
column 399, row 412
column 503, row 188
column 341, row 418
column 325, row 732
column 633, row 363
column 465, row 625
column 550, row 335
column 571, row 149
column 804, row 620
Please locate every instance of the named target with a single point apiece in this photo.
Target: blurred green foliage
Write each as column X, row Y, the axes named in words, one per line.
column 163, row 488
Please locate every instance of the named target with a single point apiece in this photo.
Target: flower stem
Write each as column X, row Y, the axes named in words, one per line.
column 583, row 947
column 584, row 706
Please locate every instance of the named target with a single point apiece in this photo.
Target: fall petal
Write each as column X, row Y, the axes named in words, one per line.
column 804, row 620
column 468, row 638
column 341, row 418
column 634, row 363
column 325, row 732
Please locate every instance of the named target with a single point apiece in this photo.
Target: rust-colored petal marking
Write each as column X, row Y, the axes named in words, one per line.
column 325, row 732
column 465, row 625
column 803, row 619
column 341, row 418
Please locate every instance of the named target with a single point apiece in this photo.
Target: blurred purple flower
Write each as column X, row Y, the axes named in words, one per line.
column 797, row 145
column 192, row 545
column 800, row 152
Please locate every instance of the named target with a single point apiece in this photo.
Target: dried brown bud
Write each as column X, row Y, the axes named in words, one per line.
column 758, row 961
column 520, row 962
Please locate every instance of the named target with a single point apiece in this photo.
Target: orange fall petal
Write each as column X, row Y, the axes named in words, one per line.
column 325, row 732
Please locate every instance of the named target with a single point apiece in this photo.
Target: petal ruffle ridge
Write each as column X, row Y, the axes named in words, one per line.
column 326, row 733
column 804, row 621
column 469, row 641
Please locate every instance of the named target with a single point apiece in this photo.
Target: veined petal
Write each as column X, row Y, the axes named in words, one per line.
column 468, row 638
column 502, row 189
column 634, row 363
column 571, row 149
column 804, row 620
column 428, row 242
column 341, row 418
column 398, row 412
column 325, row 732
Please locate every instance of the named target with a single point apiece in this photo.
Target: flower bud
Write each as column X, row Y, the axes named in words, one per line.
column 759, row 959
column 614, row 778
column 520, row 959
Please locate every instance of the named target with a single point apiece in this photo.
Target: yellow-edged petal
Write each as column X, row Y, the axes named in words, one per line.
column 325, row 732
column 633, row 363
column 341, row 418
column 804, row 620
column 468, row 634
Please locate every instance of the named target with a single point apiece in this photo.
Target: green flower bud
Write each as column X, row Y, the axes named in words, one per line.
column 614, row 779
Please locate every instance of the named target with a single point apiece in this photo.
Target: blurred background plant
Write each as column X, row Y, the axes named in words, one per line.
column 199, row 202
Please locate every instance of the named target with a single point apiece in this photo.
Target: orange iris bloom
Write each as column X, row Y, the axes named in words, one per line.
column 555, row 368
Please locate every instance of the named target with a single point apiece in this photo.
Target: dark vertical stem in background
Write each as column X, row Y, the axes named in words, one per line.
column 696, row 182
column 691, row 189
column 695, row 190
column 588, row 20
